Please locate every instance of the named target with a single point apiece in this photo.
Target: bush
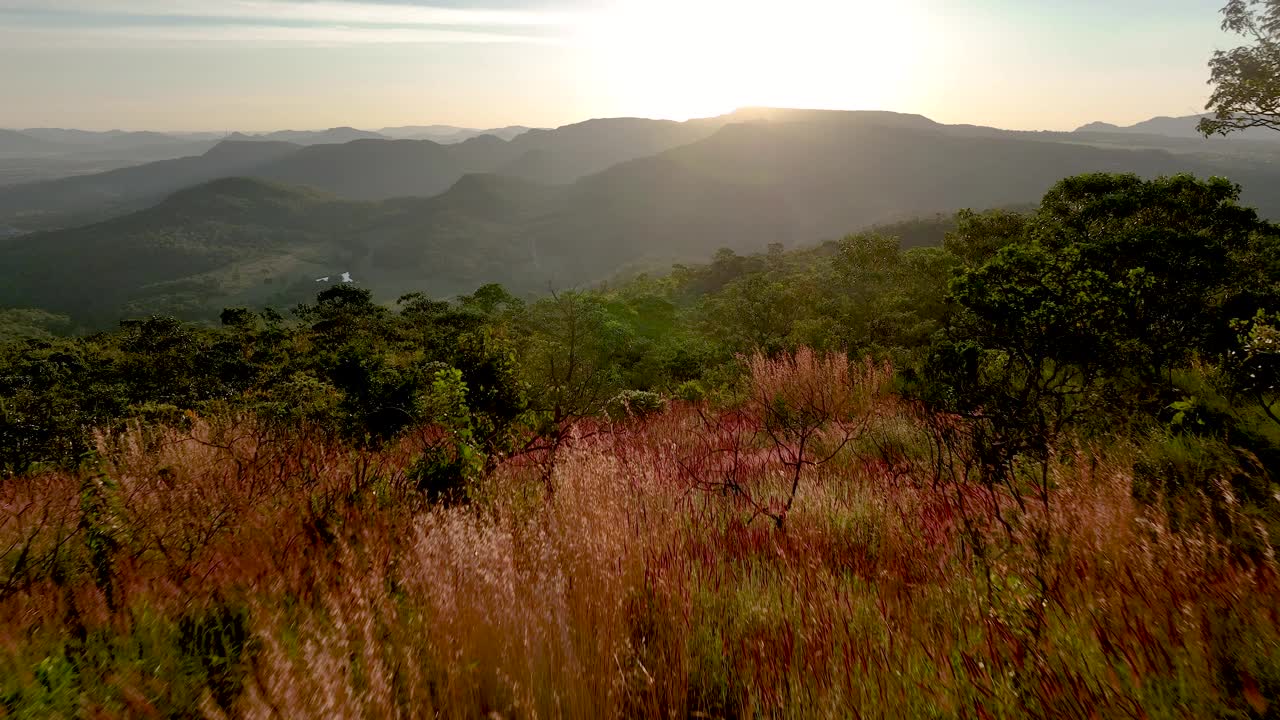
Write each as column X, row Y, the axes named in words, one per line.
column 443, row 473
column 1201, row 481
column 635, row 404
column 691, row 391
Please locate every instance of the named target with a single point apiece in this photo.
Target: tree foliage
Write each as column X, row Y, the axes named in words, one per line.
column 1246, row 79
column 1116, row 306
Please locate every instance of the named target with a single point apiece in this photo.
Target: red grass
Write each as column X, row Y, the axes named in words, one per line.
column 642, row 587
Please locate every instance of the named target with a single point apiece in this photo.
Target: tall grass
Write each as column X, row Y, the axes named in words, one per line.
column 223, row 571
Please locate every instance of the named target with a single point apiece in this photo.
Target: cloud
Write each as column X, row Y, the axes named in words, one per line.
column 270, row 23
column 223, row 36
column 298, row 11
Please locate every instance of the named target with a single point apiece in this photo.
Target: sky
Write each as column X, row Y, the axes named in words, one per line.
column 258, row 65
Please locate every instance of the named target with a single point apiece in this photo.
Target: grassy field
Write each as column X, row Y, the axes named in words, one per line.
column 704, row 561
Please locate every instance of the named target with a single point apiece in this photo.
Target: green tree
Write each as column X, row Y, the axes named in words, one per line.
column 1246, row 79
column 1081, row 318
column 1255, row 366
column 570, row 355
column 344, row 312
column 755, row 313
column 474, row 336
column 573, row 353
column 1166, row 264
column 978, row 236
column 1121, row 277
column 888, row 302
column 446, row 468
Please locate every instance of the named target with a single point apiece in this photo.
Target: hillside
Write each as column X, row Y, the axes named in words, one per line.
column 368, row 169
column 744, row 187
column 89, row 198
column 373, row 168
column 362, row 169
column 40, row 154
column 227, row 240
column 12, row 141
column 797, row 182
column 841, row 172
column 568, row 153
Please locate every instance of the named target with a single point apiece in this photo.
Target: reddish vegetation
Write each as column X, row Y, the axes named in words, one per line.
column 698, row 563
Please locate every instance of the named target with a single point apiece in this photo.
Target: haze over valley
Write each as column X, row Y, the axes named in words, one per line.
column 251, row 219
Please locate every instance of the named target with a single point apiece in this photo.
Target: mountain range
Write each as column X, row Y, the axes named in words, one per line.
column 367, row 169
column 1177, row 127
column 41, row 154
column 331, row 136
column 49, row 153
column 549, row 209
column 448, row 134
column 443, row 134
column 62, row 140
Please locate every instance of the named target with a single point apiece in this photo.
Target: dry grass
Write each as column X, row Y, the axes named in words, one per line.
column 637, row 589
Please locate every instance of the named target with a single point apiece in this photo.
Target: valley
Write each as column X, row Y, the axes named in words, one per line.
column 547, row 210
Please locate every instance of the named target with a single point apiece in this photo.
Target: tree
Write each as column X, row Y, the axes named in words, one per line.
column 1255, row 367
column 800, row 411
column 752, row 314
column 343, row 312
column 888, row 301
column 1246, row 79
column 572, row 351
column 473, row 336
column 1122, row 278
column 1083, row 315
column 978, row 236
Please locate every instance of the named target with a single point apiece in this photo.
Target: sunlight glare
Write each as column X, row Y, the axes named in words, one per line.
column 691, row 58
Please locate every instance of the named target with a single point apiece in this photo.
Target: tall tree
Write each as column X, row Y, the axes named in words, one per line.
column 1246, row 79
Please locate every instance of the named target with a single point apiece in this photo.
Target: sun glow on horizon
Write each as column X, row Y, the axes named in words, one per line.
column 679, row 59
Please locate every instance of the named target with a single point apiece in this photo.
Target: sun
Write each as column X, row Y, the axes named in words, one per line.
column 693, row 58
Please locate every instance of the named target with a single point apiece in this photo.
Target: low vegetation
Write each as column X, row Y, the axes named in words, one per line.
column 1024, row 473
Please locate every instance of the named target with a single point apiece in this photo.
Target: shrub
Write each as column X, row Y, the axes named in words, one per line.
column 691, row 391
column 1201, row 481
column 634, row 404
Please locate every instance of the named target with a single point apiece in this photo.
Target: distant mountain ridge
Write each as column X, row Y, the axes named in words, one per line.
column 368, row 169
column 1177, row 127
column 13, row 141
column 115, row 138
column 557, row 155
column 37, row 154
column 91, row 198
column 332, row 136
column 789, row 177
column 379, row 168
column 67, row 141
column 449, row 134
